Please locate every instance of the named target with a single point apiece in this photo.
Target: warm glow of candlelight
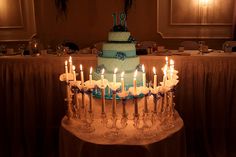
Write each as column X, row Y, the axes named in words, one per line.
column 172, row 62
column 154, row 78
column 90, row 75
column 102, row 76
column 143, row 68
column 81, row 67
column 81, row 75
column 114, row 76
column 135, row 73
column 122, row 74
column 70, row 64
column 166, row 60
column 66, row 70
column 91, row 70
column 134, row 82
column 204, row 2
column 122, row 81
column 70, row 59
column 154, row 70
column 115, row 70
column 73, row 68
column 144, row 76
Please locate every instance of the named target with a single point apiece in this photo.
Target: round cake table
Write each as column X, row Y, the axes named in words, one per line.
column 166, row 142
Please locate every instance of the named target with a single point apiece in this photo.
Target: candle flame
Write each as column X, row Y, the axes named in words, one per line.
column 135, row 73
column 91, row 70
column 103, row 70
column 166, row 59
column 165, row 69
column 66, row 62
column 154, row 70
column 73, row 67
column 115, row 70
column 81, row 67
column 70, row 59
column 122, row 74
column 172, row 62
column 143, row 68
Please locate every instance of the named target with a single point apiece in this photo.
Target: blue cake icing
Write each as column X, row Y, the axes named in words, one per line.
column 119, row 52
column 111, row 49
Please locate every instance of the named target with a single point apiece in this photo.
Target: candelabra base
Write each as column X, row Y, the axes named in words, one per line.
column 86, row 128
column 114, row 134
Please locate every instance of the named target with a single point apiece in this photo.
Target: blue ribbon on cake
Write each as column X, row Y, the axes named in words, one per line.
column 131, row 39
column 120, row 55
column 100, row 53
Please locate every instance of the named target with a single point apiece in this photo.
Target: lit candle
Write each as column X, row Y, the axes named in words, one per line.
column 122, row 82
column 102, row 76
column 155, row 78
column 144, row 76
column 66, row 70
column 74, row 74
column 164, row 77
column 171, row 68
column 134, row 82
column 114, row 76
column 81, row 75
column 166, row 60
column 90, row 75
column 70, row 64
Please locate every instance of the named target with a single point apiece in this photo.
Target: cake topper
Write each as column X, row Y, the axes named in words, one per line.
column 122, row 26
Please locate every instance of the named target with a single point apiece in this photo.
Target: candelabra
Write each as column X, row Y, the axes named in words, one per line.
column 113, row 123
column 144, row 122
column 66, row 77
column 84, row 113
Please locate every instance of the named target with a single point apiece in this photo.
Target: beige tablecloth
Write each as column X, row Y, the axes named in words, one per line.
column 130, row 142
column 32, row 102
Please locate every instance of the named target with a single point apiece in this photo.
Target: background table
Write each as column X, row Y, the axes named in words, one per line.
column 32, row 102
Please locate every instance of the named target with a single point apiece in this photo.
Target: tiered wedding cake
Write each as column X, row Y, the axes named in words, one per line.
column 119, row 52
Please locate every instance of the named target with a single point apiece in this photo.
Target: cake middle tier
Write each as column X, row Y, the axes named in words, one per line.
column 127, row 65
column 110, row 49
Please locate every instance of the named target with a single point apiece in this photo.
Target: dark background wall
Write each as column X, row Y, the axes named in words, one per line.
column 89, row 21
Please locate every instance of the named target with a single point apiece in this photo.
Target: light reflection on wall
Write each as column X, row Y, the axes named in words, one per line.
column 3, row 10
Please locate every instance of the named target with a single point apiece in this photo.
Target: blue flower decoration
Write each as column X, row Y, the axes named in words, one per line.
column 139, row 67
column 99, row 68
column 100, row 53
column 131, row 39
column 120, row 55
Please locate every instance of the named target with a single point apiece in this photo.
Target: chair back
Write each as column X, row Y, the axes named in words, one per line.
column 229, row 46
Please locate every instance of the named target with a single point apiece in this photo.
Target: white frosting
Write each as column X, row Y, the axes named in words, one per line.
column 119, row 47
column 118, row 36
column 128, row 64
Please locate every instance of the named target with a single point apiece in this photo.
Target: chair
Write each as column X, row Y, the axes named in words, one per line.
column 229, row 46
column 190, row 45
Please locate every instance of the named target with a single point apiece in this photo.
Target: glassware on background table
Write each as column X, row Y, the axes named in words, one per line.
column 201, row 44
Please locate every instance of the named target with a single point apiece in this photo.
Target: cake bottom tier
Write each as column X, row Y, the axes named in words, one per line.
column 128, row 78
